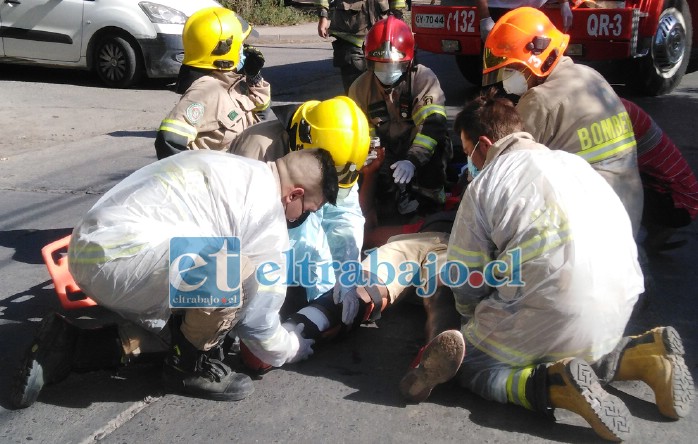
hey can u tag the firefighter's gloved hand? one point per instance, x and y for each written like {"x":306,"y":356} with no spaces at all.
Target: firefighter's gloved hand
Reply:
{"x":349,"y":300}
{"x":254,"y":61}
{"x":566,"y":12}
{"x":404,"y":171}
{"x":486,"y":26}
{"x":372,"y":155}
{"x":301,"y":348}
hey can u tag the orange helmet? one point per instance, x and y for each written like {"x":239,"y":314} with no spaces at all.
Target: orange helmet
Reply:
{"x":522,"y":37}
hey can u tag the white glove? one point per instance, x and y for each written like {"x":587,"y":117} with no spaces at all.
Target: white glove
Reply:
{"x":303,"y":347}
{"x":404,"y":171}
{"x":349,"y":300}
{"x":372,"y":155}
{"x":566,"y":11}
{"x":486,"y":26}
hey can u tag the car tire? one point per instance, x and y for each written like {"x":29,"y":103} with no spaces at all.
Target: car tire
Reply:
{"x":662,"y":69}
{"x":470,"y":67}
{"x":117,"y":62}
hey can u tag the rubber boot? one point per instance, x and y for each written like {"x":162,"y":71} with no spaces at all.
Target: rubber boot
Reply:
{"x":202,"y":374}
{"x":440,"y":361}
{"x":656,"y":358}
{"x":48,"y":360}
{"x":573,"y":385}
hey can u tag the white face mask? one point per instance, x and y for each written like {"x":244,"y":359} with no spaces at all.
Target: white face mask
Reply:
{"x":388,"y":78}
{"x":514,"y":82}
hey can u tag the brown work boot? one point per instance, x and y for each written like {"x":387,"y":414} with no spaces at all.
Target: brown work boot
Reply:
{"x":440,"y":360}
{"x":573,"y":386}
{"x":656,"y":358}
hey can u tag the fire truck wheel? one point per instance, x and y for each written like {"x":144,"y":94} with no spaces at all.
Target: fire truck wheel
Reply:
{"x":670,"y":50}
{"x":470,"y":67}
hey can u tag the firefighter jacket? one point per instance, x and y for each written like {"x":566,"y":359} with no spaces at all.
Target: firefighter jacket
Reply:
{"x":350,"y":20}
{"x":554,"y":247}
{"x":333,"y":233}
{"x":118,"y":252}
{"x":577,"y":111}
{"x":211,"y":113}
{"x":410,"y":119}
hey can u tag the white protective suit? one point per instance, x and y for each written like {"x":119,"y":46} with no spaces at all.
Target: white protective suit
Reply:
{"x":118,"y":253}
{"x":578,"y":257}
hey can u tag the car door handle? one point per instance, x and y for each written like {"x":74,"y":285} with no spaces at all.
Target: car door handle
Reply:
{"x":13,"y":2}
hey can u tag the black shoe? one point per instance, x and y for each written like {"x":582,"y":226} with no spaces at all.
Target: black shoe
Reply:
{"x":204,"y":374}
{"x":47,"y":361}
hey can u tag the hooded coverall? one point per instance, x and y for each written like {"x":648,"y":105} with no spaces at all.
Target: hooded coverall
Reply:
{"x":567,"y":274}
{"x":118,"y":252}
{"x":576,"y":110}
{"x":410,"y":120}
{"x":211,"y":113}
{"x":333,"y":233}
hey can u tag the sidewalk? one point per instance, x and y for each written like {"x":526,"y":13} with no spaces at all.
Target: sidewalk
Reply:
{"x":303,"y":33}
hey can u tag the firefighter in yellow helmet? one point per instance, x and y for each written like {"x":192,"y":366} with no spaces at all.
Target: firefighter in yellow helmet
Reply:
{"x":222,"y":88}
{"x":334,"y":233}
{"x":564,"y":105}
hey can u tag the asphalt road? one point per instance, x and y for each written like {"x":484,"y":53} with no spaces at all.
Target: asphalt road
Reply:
{"x":66,"y":140}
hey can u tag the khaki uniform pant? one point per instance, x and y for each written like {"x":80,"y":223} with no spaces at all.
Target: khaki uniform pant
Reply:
{"x":202,"y":327}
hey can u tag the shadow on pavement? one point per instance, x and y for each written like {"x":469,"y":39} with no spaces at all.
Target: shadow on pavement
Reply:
{"x":28,"y":243}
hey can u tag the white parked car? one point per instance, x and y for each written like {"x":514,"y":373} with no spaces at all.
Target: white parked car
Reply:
{"x":120,"y":40}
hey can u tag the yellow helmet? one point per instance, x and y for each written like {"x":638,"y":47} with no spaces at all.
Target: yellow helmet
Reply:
{"x":213,"y":37}
{"x":337,"y":125}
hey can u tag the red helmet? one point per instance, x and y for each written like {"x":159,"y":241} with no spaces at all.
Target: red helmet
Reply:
{"x":389,"y":46}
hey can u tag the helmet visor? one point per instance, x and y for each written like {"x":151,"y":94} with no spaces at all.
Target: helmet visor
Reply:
{"x":387,"y":67}
{"x":490,"y":63}
{"x":247,"y":29}
{"x":348,"y":175}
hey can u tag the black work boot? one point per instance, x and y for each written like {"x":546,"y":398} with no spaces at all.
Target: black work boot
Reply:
{"x":48,"y":360}
{"x":202,"y":374}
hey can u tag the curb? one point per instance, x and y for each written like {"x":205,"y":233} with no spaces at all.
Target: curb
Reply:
{"x":281,"y":38}
{"x":302,"y":33}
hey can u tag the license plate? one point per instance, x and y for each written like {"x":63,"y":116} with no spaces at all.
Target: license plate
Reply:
{"x":429,"y":20}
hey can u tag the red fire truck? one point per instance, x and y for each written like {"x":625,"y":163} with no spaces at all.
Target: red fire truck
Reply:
{"x":650,"y":39}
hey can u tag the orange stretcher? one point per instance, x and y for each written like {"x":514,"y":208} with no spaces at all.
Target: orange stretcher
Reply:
{"x":69,"y":294}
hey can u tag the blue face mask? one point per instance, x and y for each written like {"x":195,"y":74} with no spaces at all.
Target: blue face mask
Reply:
{"x":472,"y":169}
{"x":241,"y":63}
